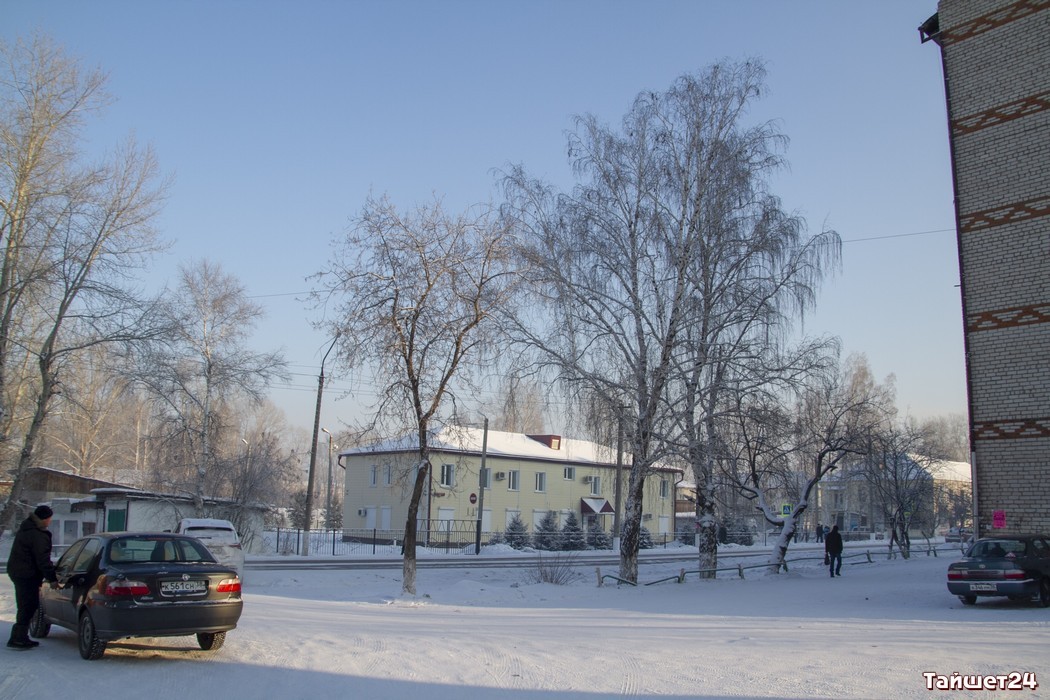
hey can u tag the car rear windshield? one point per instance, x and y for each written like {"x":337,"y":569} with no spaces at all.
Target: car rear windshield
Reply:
{"x":158,"y":549}
{"x":212,"y":533}
{"x":996,"y":549}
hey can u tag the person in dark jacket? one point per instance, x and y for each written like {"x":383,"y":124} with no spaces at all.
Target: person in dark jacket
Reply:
{"x":28,"y":566}
{"x":833,"y":548}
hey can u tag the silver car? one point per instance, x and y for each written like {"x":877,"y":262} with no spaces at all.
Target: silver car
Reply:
{"x":219,"y":536}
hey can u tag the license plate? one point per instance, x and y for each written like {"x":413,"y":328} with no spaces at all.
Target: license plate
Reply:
{"x":982,"y":586}
{"x":175,"y":587}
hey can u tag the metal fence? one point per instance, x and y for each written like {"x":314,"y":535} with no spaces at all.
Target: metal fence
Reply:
{"x":439,"y":536}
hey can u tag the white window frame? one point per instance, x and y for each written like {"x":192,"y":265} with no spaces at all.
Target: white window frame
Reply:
{"x":541,"y":482}
{"x":665,"y":489}
{"x":448,"y":476}
{"x":569,"y":474}
{"x":514,"y":480}
{"x":486,"y":478}
{"x":596,"y":485}
{"x":373,"y":477}
{"x":389,"y":474}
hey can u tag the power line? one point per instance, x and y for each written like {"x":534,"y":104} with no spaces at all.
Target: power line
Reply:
{"x":279,"y":294}
{"x":897,"y":235}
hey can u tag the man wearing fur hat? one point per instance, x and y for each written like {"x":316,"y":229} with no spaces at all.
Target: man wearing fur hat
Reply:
{"x":28,"y":566}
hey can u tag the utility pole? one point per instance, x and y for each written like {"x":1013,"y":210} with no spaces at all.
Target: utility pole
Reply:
{"x":619,"y":478}
{"x":313,"y":452}
{"x":481,"y":485}
{"x":328,"y":497}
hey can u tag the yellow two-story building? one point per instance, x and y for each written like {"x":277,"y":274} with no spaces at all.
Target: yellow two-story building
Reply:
{"x":525,"y":476}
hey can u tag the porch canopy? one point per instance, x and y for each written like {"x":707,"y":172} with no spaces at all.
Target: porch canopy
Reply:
{"x":595,"y":506}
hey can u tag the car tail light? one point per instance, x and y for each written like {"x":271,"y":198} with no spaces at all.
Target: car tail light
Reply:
{"x":229,"y":585}
{"x":1013,"y":575}
{"x":123,"y":587}
{"x":956,"y":575}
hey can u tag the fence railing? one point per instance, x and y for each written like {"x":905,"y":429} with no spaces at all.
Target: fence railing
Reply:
{"x":442,"y":537}
{"x":866,"y":556}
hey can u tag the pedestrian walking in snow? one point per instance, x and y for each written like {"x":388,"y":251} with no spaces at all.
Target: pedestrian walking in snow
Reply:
{"x":820,"y":532}
{"x":28,"y":565}
{"x":833,"y":550}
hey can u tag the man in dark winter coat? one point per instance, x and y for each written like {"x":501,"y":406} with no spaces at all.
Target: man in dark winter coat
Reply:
{"x":28,"y":566}
{"x":833,"y":548}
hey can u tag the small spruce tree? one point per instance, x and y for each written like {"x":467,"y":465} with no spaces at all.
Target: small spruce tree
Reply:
{"x":572,"y":538}
{"x":597,"y":538}
{"x":645,"y":538}
{"x":546,"y":536}
{"x":517,"y":535}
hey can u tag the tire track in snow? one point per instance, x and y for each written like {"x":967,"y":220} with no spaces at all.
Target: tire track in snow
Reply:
{"x":504,"y":668}
{"x":630,"y":685}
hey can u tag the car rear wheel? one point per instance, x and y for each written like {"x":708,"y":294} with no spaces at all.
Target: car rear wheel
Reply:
{"x":39,"y":626}
{"x":91,"y":647}
{"x":1044,"y":593}
{"x":968,"y":599}
{"x":211,"y":641}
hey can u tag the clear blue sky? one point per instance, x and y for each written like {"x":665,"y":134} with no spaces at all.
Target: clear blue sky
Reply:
{"x":278,"y":118}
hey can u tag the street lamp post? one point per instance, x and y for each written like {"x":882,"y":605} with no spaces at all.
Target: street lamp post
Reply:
{"x":328,"y":497}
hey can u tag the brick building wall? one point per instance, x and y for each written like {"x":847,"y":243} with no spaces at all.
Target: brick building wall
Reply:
{"x":996,"y":56}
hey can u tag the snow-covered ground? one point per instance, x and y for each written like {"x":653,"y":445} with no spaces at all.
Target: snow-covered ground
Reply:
{"x":491,"y":633}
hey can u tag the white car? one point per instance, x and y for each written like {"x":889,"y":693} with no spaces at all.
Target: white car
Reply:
{"x":219,"y":536}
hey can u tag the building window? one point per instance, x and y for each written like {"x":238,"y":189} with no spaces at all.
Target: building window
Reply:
{"x":569,"y":474}
{"x":513,"y":477}
{"x":596,"y":486}
{"x":541,"y":481}
{"x":448,"y":475}
{"x":373,"y":476}
{"x":389,"y":474}
{"x":486,"y":478}
{"x":665,"y":488}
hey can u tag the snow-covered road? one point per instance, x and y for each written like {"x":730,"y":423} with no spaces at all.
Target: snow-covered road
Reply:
{"x":488,"y":633}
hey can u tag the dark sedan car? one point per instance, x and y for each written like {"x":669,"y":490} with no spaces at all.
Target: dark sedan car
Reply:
{"x":1014,"y":566}
{"x":123,"y":584}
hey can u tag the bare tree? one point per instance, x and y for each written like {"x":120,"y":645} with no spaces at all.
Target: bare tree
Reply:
{"x":522,"y":406}
{"x":93,"y":429}
{"x":44,"y":102}
{"x":256,"y":464}
{"x":754,"y":271}
{"x":948,"y":437}
{"x":202,"y":364}
{"x":900,"y":470}
{"x":413,"y":297}
{"x":72,"y":235}
{"x":614,"y":274}
{"x":668,"y":263}
{"x":833,"y":418}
